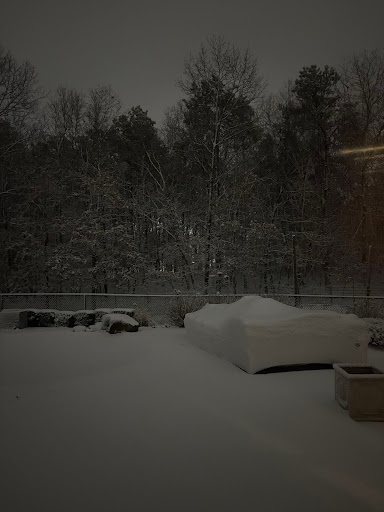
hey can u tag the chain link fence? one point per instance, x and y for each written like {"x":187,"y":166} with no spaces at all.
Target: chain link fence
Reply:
{"x":160,"y":309}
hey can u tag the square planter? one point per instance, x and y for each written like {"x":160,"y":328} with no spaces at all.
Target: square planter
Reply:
{"x":360,"y":389}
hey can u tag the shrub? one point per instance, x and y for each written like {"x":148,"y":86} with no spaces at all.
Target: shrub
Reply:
{"x":84,"y":317}
{"x":141,"y":316}
{"x":367,"y":308}
{"x":41,"y":318}
{"x":123,"y":311}
{"x":64,"y":319}
{"x":99,"y":313}
{"x":376,"y":329}
{"x":180,"y":306}
{"x":114,"y":323}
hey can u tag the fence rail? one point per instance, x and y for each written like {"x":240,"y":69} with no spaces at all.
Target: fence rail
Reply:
{"x":159,"y":308}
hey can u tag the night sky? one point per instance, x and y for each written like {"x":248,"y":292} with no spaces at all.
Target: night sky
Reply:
{"x":139,"y":47}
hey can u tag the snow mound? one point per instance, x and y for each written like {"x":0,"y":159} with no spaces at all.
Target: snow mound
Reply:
{"x":255,"y":333}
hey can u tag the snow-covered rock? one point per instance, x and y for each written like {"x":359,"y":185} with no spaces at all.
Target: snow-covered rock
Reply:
{"x":255,"y":333}
{"x":115,"y":322}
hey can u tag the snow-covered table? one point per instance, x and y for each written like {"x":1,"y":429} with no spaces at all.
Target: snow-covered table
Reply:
{"x":255,"y":333}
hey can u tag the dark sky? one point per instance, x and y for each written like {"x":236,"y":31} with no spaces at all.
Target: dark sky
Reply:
{"x":139,"y":47}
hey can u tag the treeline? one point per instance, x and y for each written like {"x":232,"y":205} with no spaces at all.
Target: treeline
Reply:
{"x":96,"y":199}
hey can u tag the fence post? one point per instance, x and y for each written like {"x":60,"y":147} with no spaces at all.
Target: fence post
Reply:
{"x":85,"y":301}
{"x":295,"y":279}
{"x":368,"y":289}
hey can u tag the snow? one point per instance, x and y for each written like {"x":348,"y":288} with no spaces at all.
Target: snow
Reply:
{"x":93,"y":423}
{"x":79,"y":328}
{"x":255,"y":333}
{"x":95,"y":327}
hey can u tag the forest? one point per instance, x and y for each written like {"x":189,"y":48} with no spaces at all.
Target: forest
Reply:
{"x":233,"y":190}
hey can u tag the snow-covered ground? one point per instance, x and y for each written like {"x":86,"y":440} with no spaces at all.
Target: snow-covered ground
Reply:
{"x":145,"y":421}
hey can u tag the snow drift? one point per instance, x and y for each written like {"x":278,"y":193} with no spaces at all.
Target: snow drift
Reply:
{"x":256,"y":333}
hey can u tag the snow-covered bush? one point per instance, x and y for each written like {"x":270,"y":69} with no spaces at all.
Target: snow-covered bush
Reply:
{"x":115,"y":322}
{"x":41,"y":318}
{"x":376,"y":328}
{"x":140,"y":315}
{"x":84,"y":317}
{"x":64,"y":319}
{"x":123,"y":311}
{"x":180,"y":306}
{"x":99,"y":313}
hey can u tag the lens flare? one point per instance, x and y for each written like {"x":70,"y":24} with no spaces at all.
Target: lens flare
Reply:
{"x":361,"y":150}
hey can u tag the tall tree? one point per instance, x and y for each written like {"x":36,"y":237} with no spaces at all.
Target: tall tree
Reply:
{"x":222,"y":85}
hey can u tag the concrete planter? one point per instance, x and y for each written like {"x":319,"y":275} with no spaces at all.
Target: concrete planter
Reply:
{"x":360,"y":389}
